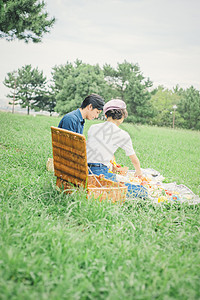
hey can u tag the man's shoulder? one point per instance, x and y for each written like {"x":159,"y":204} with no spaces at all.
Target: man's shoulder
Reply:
{"x":72,"y":114}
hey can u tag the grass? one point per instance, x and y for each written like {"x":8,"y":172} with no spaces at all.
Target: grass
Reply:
{"x":174,"y":153}
{"x":54,"y":246}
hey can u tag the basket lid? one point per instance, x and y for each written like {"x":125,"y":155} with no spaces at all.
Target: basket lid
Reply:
{"x":69,"y":156}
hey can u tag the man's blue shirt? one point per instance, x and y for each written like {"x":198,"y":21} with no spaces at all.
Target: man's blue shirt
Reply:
{"x":73,"y":121}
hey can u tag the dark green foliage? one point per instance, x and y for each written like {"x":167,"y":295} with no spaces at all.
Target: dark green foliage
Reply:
{"x":46,"y":101}
{"x":59,"y":74}
{"x":132,"y":87}
{"x":24,"y":19}
{"x":189,"y":108}
{"x":138,"y":99}
{"x":28,"y":85}
{"x":74,"y":82}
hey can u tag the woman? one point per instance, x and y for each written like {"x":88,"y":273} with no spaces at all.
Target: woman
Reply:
{"x":105,"y":138}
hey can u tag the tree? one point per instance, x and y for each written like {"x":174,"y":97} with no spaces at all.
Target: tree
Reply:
{"x":189,"y":108}
{"x":24,"y":19}
{"x":61,"y":73}
{"x":74,"y":82}
{"x":132,"y":87}
{"x":30,"y":86}
{"x":138,"y":98}
{"x":163,"y":101}
{"x":116,"y":79}
{"x":12,"y":82}
{"x":45,"y":101}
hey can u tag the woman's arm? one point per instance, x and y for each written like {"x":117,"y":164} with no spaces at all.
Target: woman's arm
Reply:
{"x":135,"y":161}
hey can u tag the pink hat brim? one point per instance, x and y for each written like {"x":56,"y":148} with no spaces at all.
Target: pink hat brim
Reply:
{"x":114,"y":104}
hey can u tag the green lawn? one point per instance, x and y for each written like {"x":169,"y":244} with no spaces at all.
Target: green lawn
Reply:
{"x":54,"y":246}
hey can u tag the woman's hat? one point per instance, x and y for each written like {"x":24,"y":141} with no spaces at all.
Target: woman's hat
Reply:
{"x":114,"y":104}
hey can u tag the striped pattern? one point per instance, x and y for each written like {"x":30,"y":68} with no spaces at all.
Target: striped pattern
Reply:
{"x":70,"y":167}
{"x":69,"y":155}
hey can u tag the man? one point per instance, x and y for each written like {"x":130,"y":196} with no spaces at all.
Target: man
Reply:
{"x":90,"y":109}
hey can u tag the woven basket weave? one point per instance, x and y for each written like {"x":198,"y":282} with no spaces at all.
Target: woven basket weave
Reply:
{"x":70,"y":167}
{"x":115,"y":191}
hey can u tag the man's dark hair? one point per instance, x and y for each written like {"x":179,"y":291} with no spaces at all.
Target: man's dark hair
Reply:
{"x":94,"y":99}
{"x":117,"y":114}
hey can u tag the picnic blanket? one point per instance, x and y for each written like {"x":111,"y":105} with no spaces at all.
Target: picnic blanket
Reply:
{"x":158,"y":191}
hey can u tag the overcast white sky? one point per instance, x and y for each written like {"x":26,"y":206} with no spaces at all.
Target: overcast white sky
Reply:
{"x":162,"y":36}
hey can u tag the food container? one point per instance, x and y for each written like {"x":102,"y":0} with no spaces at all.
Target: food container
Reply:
{"x":71,"y":169}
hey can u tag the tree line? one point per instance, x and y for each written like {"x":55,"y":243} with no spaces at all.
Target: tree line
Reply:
{"x":28,"y":20}
{"x":72,"y":82}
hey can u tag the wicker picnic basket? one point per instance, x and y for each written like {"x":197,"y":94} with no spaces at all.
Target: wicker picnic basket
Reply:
{"x":71,"y":170}
{"x":104,"y":188}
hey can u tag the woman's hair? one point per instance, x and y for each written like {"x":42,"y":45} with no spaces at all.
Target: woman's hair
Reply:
{"x":117,"y":114}
{"x":94,"y":99}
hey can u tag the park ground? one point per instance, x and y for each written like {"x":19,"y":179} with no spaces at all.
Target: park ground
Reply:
{"x":57,"y":246}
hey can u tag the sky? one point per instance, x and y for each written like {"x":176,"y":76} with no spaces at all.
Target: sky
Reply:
{"x":161,"y":36}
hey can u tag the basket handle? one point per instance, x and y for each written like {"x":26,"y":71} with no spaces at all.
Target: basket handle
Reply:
{"x":95,"y":177}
